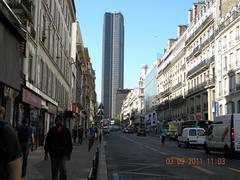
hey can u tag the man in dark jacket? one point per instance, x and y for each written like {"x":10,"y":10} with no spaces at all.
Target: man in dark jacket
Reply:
{"x":59,"y":145}
{"x":10,"y":153}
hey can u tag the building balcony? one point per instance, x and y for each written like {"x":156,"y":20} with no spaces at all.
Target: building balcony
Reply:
{"x":177,"y":86}
{"x":177,"y":101}
{"x":205,"y":23}
{"x":165,"y":93}
{"x":237,"y":87}
{"x":230,"y":19}
{"x":198,"y":49}
{"x":197,"y":88}
{"x":201,"y":86}
{"x":33,"y":32}
{"x":162,"y":106}
{"x":202,"y":66}
{"x":22,"y":9}
{"x":183,"y":67}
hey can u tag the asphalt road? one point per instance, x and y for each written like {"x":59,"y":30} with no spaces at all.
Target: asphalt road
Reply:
{"x":130,"y":157}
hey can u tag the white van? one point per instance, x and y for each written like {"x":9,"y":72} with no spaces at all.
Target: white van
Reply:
{"x":192,"y":136}
{"x":224,"y":135}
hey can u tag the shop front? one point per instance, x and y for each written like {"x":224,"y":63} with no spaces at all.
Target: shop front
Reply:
{"x":30,"y":108}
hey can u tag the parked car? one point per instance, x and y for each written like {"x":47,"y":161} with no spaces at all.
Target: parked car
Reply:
{"x":114,"y":128}
{"x":129,"y":130}
{"x":192,"y":137}
{"x":106,"y":130}
{"x":141,"y":131}
{"x":223,"y":135}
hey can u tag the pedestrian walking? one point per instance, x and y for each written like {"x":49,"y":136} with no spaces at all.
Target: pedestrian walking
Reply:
{"x":96,"y":132}
{"x":86,"y":132}
{"x":26,"y":140}
{"x":10,"y":152}
{"x":59,"y":145}
{"x":80,"y":134}
{"x":74,"y":134}
{"x":163,"y":133}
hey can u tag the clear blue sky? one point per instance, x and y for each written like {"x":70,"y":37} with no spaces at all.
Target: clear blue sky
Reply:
{"x":148,"y":26}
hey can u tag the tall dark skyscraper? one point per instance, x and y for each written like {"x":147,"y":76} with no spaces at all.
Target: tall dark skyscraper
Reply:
{"x":112,"y":62}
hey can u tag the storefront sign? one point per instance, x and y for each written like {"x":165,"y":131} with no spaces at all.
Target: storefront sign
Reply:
{"x":74,"y":108}
{"x":52,"y":108}
{"x":30,"y":98}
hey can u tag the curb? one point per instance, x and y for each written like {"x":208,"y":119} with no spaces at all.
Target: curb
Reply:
{"x":102,"y":171}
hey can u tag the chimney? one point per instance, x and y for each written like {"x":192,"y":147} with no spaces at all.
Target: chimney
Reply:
{"x":181,"y":30}
{"x":190,"y":16}
{"x":164,"y":50}
{"x":171,"y":42}
{"x":145,"y":69}
{"x":195,"y":12}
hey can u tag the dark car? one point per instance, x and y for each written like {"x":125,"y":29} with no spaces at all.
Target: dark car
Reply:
{"x":129,"y":130}
{"x":141,"y":131}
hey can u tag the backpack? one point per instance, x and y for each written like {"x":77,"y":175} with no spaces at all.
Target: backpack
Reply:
{"x":23,"y":134}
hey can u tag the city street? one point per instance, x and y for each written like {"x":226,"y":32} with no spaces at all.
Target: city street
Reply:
{"x":130,"y":157}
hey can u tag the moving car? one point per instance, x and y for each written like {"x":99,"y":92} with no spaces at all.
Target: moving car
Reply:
{"x":192,"y":137}
{"x":224,"y":135}
{"x":141,"y":131}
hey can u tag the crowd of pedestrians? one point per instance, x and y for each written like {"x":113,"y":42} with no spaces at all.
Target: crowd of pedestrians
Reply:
{"x":15,"y":145}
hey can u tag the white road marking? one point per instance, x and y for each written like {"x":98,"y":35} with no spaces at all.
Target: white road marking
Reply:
{"x":148,"y":147}
{"x":152,"y":174}
{"x":233,"y":169}
{"x":203,"y":169}
{"x":163,"y":153}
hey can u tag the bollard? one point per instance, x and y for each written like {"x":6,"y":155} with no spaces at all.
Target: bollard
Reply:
{"x":90,"y":175}
{"x":94,"y":169}
{"x":100,"y":138}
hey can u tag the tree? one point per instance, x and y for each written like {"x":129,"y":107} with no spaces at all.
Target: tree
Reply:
{"x":117,"y":118}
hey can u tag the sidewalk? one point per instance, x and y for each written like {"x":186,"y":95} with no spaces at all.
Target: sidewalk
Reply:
{"x":77,"y":168}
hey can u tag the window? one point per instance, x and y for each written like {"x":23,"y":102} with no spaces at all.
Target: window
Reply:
{"x":192,"y":132}
{"x":50,"y":83}
{"x":219,"y":46}
{"x":41,"y":76}
{"x":53,"y":87}
{"x":231,"y":108}
{"x":231,"y":62}
{"x":224,"y":42}
{"x":225,"y":86}
{"x":230,"y":39}
{"x":220,"y":110}
{"x":238,"y":106}
{"x":237,"y":33}
{"x":47,"y":80}
{"x":201,"y":132}
{"x":238,"y":57}
{"x":225,"y":64}
{"x":231,"y":83}
{"x":30,"y":66}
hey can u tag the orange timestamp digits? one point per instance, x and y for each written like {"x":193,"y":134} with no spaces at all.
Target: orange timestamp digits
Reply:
{"x":194,"y":161}
{"x":220,"y":161}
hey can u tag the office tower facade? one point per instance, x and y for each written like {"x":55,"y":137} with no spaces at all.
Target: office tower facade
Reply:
{"x":113,"y":62}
